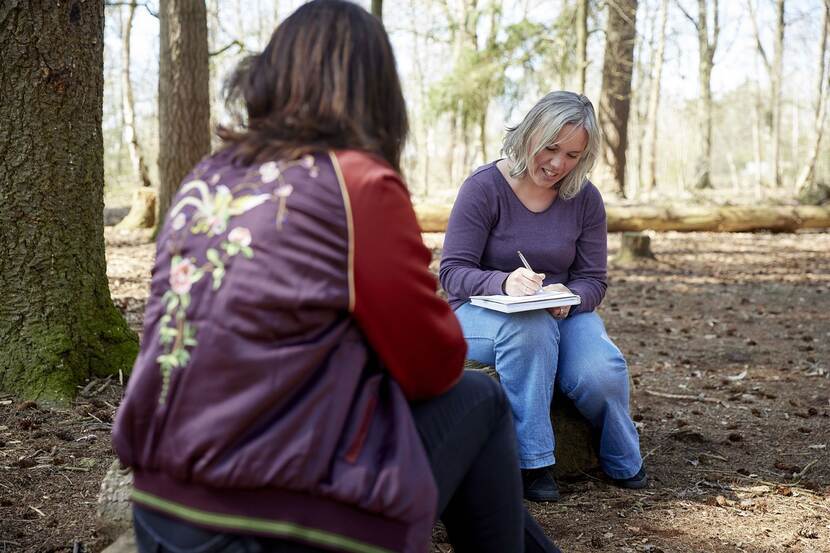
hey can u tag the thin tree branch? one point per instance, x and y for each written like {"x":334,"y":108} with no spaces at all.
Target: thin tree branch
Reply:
{"x":758,"y":43}
{"x":235,"y":42}
{"x":144,"y":5}
{"x":691,"y":19}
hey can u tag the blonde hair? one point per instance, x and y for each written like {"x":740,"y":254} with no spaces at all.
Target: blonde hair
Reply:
{"x":546,"y":120}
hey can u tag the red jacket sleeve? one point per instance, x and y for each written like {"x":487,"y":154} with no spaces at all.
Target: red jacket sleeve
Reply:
{"x":415,"y":333}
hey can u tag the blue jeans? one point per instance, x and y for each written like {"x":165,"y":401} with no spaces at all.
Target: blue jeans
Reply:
{"x":532,"y":352}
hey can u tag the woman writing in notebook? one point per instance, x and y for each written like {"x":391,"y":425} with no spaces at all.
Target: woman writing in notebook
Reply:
{"x":537,"y":200}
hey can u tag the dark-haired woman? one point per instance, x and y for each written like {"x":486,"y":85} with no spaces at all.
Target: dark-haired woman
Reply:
{"x":299,"y":386}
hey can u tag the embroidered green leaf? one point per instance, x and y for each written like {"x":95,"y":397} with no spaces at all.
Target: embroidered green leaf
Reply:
{"x":213,"y":256}
{"x":218,"y":273}
{"x":168,"y":334}
{"x":231,"y":248}
{"x":171,"y":302}
{"x":247,"y":252}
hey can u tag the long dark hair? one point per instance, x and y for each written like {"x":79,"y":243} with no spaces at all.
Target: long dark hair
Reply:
{"x":326,"y":80}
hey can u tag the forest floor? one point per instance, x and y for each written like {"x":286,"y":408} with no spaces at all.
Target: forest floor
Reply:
{"x":728,"y":341}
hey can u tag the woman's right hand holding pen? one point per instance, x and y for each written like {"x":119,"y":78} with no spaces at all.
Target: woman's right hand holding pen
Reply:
{"x":523,"y":282}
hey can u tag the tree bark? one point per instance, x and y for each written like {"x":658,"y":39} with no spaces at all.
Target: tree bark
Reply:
{"x":582,"y":42}
{"x":58,"y":325}
{"x":807,"y":178}
{"x":128,"y":103}
{"x":184,"y":94}
{"x":615,"y":99}
{"x":650,"y":180}
{"x":377,"y":9}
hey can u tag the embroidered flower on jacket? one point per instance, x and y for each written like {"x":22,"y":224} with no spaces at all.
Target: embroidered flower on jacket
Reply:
{"x":240,"y":236}
{"x":269,"y":171}
{"x":182,"y":272}
{"x":210,"y":210}
{"x":284,"y":191}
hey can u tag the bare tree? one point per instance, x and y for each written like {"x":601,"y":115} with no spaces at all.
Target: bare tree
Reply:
{"x":58,"y":325}
{"x":128,"y":102}
{"x":650,"y":153}
{"x":776,"y":77}
{"x":582,"y":41}
{"x":807,"y":178}
{"x":615,"y":98}
{"x":184,"y":93}
{"x":774,"y":70}
{"x":707,"y":44}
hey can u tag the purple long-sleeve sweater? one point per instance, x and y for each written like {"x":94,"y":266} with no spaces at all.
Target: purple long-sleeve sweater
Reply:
{"x":488,"y":224}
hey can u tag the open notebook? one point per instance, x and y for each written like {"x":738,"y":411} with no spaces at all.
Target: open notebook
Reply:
{"x":514,"y":304}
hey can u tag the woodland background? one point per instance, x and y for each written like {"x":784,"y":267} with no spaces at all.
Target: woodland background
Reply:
{"x":702,"y":99}
{"x":703,"y":103}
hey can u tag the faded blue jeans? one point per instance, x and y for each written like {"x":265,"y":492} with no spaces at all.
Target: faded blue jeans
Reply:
{"x":532,"y":352}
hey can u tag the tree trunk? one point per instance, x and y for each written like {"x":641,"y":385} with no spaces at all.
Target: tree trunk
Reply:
{"x":807,"y":178}
{"x":615,"y":99}
{"x":482,"y":134}
{"x":706,"y":53}
{"x":650,"y":180}
{"x":377,"y":9}
{"x":58,"y":325}
{"x":128,"y":104}
{"x":184,"y":94}
{"x":775,"y":78}
{"x":582,"y":42}
{"x":635,"y":247}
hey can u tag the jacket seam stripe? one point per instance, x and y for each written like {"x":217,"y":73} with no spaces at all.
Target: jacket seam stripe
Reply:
{"x":349,"y":224}
{"x":273,"y":527}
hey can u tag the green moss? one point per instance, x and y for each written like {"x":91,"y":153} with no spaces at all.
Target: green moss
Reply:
{"x":51,"y":363}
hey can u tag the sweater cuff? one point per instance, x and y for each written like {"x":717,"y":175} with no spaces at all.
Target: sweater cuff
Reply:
{"x":497,"y":282}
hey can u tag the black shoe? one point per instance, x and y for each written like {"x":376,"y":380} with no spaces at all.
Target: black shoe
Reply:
{"x":539,"y":485}
{"x":636,"y":482}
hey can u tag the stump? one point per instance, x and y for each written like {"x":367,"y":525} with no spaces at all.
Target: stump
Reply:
{"x":114,"y":509}
{"x":142,"y":212}
{"x":635,"y":247}
{"x":575,"y":450}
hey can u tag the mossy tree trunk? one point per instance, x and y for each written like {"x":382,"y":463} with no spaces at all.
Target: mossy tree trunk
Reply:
{"x":184,"y":94}
{"x":58,"y":325}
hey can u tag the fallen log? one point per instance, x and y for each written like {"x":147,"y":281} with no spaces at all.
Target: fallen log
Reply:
{"x":433,"y":218}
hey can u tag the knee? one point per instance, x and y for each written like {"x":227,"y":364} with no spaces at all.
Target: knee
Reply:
{"x":486,"y":391}
{"x":601,"y":379}
{"x":534,"y":329}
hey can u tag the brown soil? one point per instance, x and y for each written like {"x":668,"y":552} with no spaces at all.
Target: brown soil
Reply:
{"x":728,"y":339}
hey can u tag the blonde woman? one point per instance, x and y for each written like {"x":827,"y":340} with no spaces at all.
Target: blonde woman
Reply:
{"x":537,"y":200}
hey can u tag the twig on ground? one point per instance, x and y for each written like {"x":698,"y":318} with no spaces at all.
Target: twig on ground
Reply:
{"x":713,"y":456}
{"x":104,"y":386}
{"x":799,"y":475}
{"x":646,"y":456}
{"x":666,"y":395}
{"x":740,"y":476}
{"x":76,"y":469}
{"x":38,"y":511}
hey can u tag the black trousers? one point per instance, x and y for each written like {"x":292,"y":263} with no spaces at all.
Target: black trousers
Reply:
{"x":469,"y":438}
